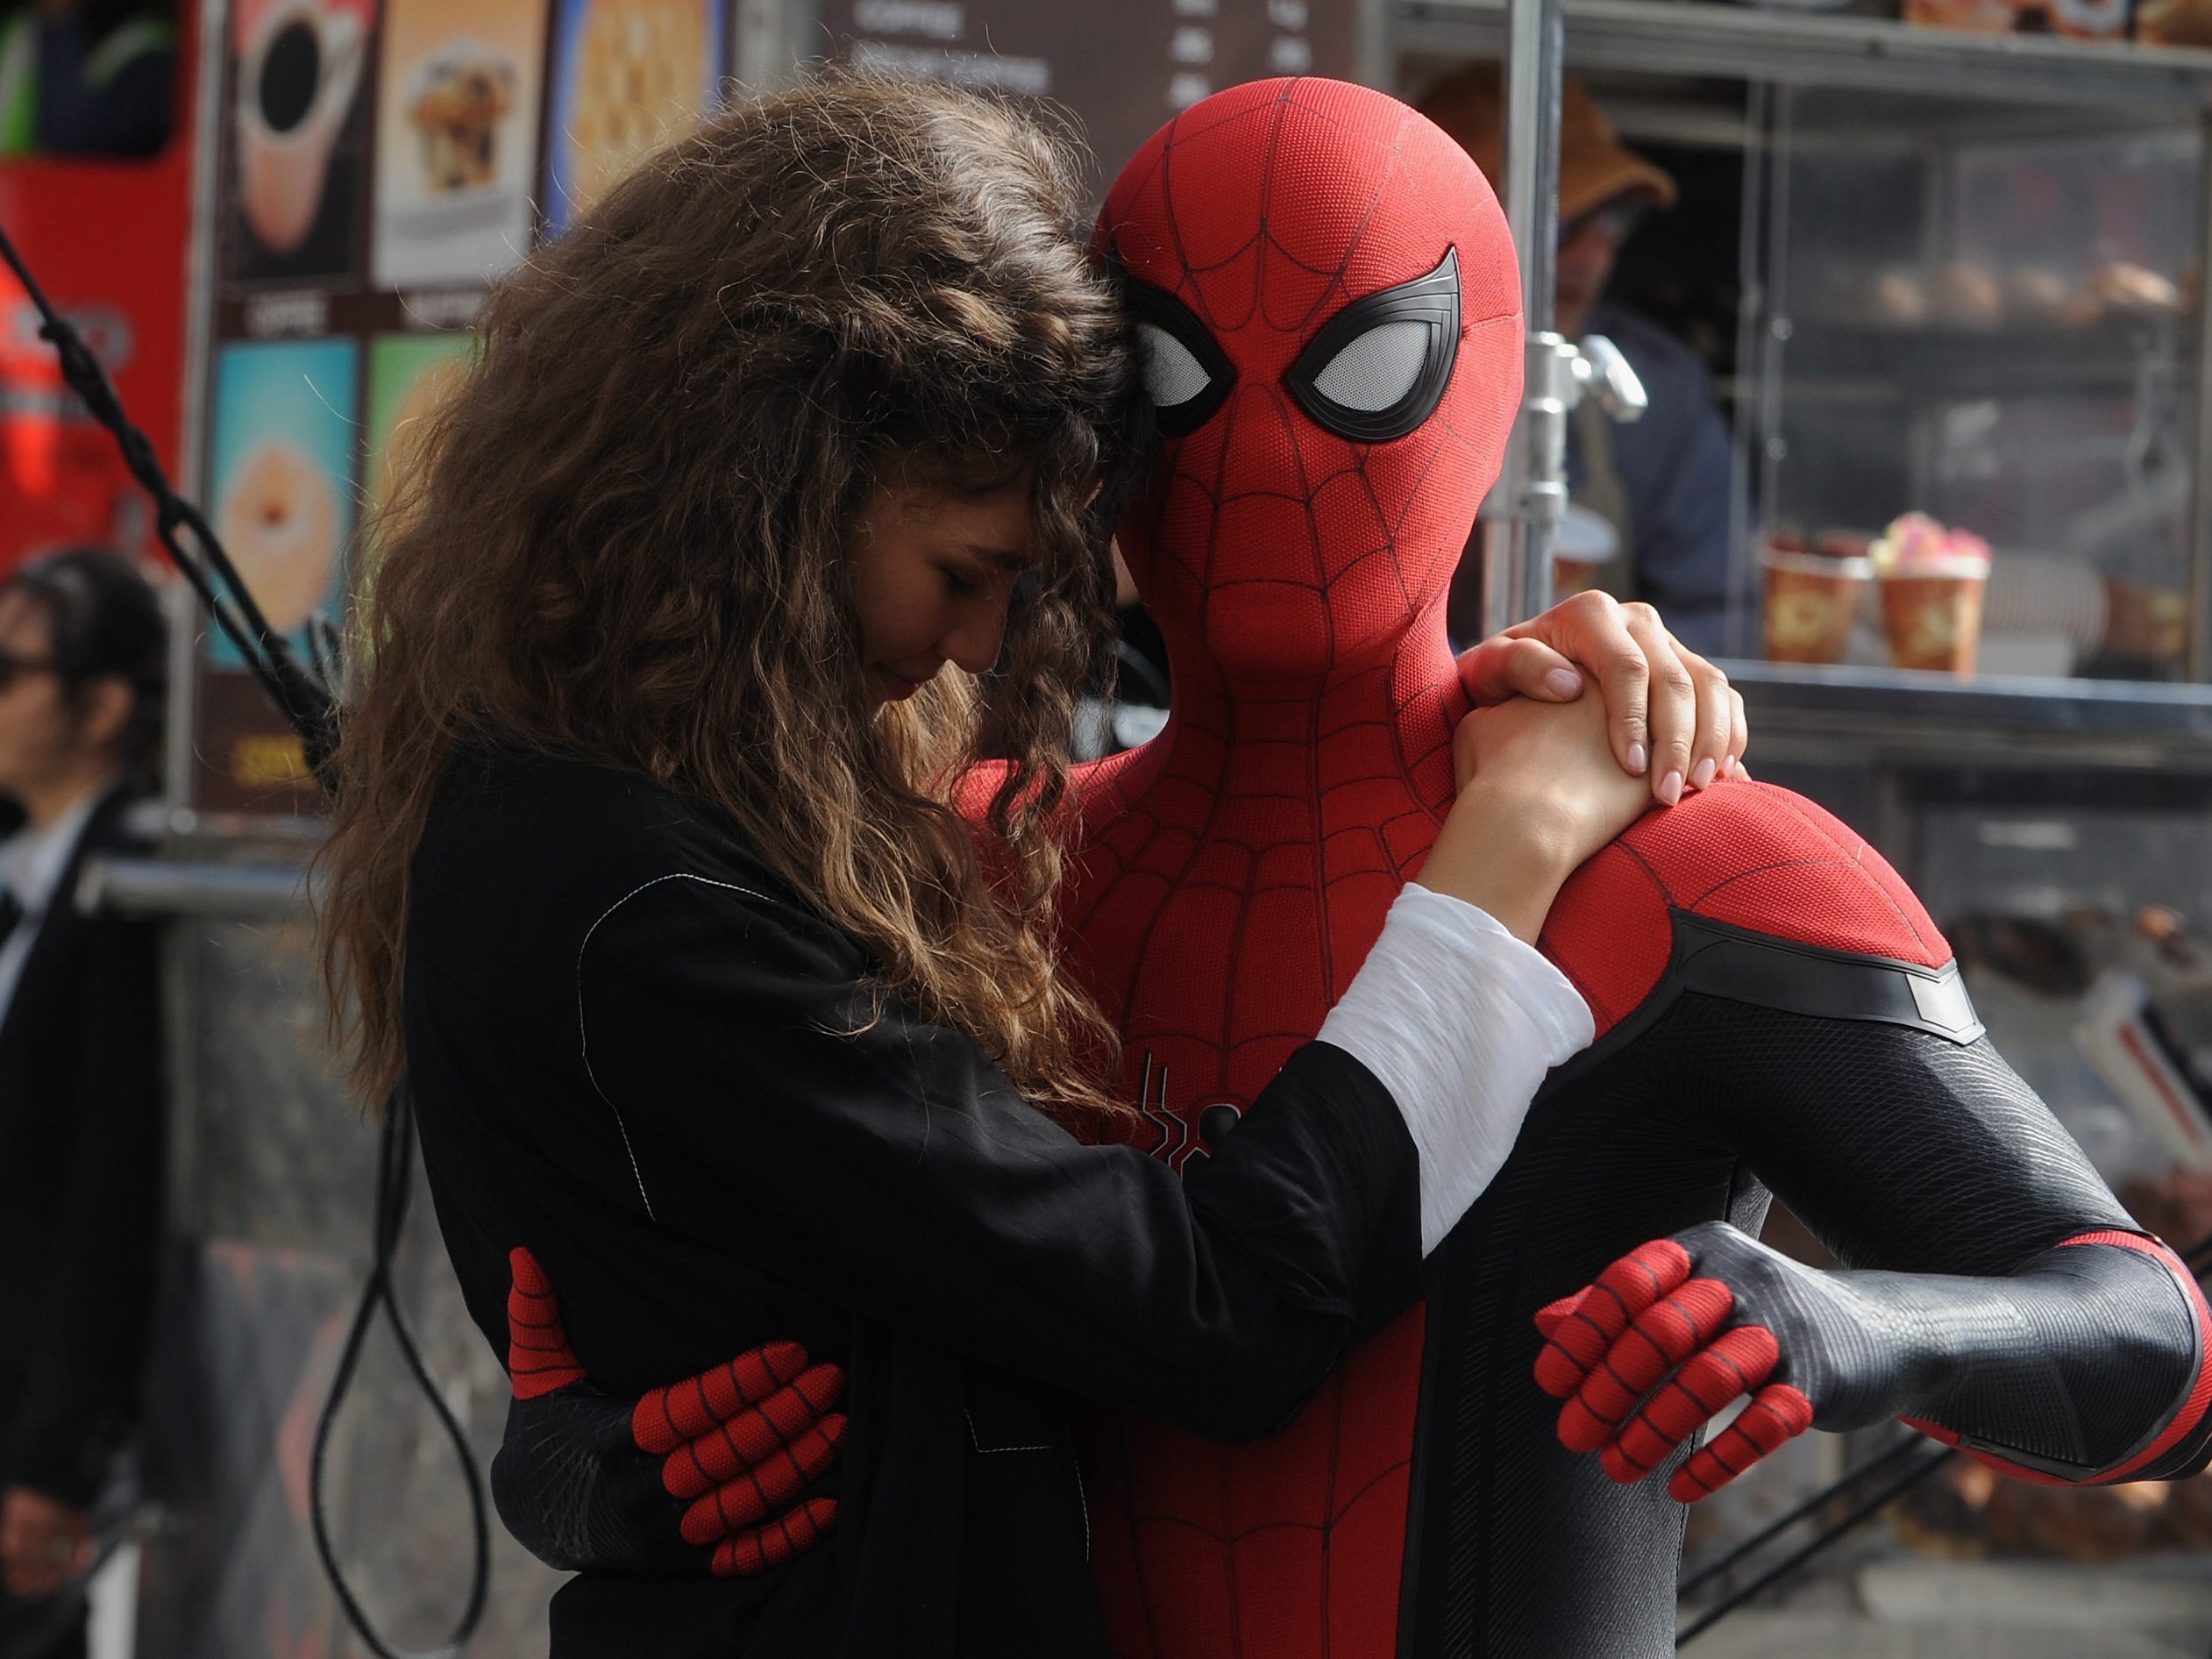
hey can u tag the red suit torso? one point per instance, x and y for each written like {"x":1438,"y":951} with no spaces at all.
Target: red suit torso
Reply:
{"x":1240,"y":864}
{"x":1319,"y":479}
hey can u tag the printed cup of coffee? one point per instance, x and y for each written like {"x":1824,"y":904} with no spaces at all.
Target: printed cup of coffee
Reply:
{"x":296,"y":80}
{"x":1812,"y":595}
{"x":1932,"y":582}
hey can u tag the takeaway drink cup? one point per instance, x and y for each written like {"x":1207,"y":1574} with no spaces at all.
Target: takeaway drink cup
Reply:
{"x":1933,"y":617}
{"x":1931,"y":585}
{"x":1812,"y":598}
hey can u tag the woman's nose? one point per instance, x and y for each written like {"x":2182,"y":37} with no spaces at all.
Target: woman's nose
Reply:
{"x":972,"y":643}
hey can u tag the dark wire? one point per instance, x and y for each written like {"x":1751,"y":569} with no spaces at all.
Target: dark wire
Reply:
{"x":303,"y":700}
{"x":2197,"y":1258}
{"x":393,"y":1184}
{"x":303,"y":696}
{"x":1933,"y":1459}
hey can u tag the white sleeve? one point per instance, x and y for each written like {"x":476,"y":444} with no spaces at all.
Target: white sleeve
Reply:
{"x":1459,"y":1020}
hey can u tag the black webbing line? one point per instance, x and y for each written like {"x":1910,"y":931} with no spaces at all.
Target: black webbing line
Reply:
{"x":305,"y":698}
{"x":2197,"y":1257}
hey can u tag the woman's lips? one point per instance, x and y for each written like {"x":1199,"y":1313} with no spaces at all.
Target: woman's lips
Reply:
{"x":897,"y":687}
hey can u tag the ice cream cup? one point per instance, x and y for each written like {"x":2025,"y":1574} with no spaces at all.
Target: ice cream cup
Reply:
{"x":1933,"y":614}
{"x":1811,"y":601}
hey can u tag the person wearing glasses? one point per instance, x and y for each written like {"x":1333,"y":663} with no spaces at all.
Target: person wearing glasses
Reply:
{"x":1651,"y":499}
{"x":82,"y":680}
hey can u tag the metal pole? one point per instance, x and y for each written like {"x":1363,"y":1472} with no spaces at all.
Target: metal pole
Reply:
{"x":2200,"y":529}
{"x":1521,"y":527}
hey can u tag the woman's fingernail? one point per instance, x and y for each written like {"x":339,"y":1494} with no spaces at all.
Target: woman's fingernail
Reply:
{"x":1564,"y":682}
{"x":1702,"y":773}
{"x":1670,"y":787}
{"x":1636,"y":758}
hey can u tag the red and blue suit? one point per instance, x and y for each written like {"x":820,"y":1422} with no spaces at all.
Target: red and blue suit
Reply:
{"x":1330,"y":304}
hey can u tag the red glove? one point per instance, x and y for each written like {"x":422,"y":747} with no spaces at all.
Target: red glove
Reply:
{"x":706,"y":1471}
{"x":1609,"y":1346}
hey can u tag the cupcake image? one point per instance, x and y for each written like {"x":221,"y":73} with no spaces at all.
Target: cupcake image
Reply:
{"x":280,"y":521}
{"x":456,"y":103}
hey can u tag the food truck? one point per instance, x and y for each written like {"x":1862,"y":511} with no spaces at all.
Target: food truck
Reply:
{"x":1945,"y":271}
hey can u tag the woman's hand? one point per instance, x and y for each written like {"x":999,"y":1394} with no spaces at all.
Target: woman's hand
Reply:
{"x":1539,"y":793}
{"x":1675,"y":719}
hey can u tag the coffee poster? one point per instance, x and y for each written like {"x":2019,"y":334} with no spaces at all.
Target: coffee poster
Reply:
{"x":629,"y":75}
{"x":296,"y":124}
{"x":281,"y":475}
{"x":408,"y":375}
{"x":457,"y":103}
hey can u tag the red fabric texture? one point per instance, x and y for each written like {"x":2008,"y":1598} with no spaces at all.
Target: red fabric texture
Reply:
{"x":538,"y":1359}
{"x":1607,"y":1347}
{"x":1239,"y":867}
{"x":776,"y":1543}
{"x":1747,"y":855}
{"x":668,"y":1417}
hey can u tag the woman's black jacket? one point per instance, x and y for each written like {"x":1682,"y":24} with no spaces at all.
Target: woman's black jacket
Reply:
{"x":637,"y":1052}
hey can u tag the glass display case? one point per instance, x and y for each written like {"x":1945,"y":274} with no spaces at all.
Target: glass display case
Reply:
{"x":1935,"y":273}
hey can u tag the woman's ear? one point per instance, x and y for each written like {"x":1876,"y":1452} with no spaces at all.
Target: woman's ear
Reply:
{"x":104,"y":707}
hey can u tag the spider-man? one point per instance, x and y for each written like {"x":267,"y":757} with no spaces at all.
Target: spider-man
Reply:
{"x":1329,"y":298}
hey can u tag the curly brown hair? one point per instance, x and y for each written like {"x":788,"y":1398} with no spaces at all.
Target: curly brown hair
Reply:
{"x":625,"y":541}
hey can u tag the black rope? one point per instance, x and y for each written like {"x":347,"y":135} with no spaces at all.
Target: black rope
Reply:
{"x":2197,"y":1258}
{"x":304,"y":696}
{"x":1910,"y":1443}
{"x":1913,"y":1475}
{"x":305,"y":699}
{"x":393,"y":1184}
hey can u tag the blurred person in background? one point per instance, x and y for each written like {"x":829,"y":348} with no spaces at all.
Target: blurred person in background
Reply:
{"x":82,"y":658}
{"x":86,"y":78}
{"x":1652,"y":500}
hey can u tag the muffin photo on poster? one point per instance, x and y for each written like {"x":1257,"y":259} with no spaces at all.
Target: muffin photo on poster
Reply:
{"x":408,"y":375}
{"x":282,"y":480}
{"x":295,"y":139}
{"x":457,"y":108}
{"x":629,"y":75}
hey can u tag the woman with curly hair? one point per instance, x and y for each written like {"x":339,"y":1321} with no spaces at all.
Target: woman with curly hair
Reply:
{"x":779,"y":494}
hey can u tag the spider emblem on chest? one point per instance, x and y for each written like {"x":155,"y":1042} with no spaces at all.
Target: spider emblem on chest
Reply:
{"x":1185,"y":1142}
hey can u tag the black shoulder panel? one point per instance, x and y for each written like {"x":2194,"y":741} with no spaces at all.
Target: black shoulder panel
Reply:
{"x":1796,"y":978}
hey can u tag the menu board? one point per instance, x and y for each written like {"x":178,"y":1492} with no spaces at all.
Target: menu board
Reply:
{"x":384,"y":161}
{"x":1120,"y":70}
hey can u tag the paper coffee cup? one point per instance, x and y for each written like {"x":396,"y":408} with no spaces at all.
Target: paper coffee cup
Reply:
{"x":1933,"y":617}
{"x":1811,"y":601}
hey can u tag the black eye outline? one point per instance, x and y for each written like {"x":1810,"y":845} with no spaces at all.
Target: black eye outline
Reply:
{"x":1433,"y":300}
{"x":1169,"y":315}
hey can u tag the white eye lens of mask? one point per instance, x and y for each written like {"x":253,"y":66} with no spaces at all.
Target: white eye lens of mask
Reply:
{"x":1172,"y":373}
{"x":1377,"y":369}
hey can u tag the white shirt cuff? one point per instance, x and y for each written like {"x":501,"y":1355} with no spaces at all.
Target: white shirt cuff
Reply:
{"x":1461,"y":1022}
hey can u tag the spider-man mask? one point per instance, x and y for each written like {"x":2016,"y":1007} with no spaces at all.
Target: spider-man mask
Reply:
{"x":1331,"y":313}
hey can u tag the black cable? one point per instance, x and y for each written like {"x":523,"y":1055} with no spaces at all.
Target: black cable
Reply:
{"x":1911,"y":1442}
{"x":1912,"y":1477}
{"x":305,"y":701}
{"x":304,"y":697}
{"x":393,"y":1184}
